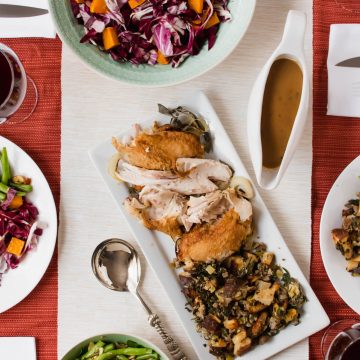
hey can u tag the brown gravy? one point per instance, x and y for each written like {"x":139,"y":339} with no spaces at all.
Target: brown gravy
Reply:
{"x":280,"y":105}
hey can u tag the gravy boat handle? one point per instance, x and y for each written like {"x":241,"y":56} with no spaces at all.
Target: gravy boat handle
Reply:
{"x":294,"y":32}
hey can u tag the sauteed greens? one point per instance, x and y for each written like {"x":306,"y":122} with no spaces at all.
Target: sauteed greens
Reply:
{"x":105,"y":350}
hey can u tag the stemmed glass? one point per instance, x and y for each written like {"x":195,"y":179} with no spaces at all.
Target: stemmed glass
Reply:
{"x":18,"y":92}
{"x":341,"y":340}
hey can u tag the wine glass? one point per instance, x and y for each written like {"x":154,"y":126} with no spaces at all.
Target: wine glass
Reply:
{"x":341,"y":340}
{"x":18,"y":92}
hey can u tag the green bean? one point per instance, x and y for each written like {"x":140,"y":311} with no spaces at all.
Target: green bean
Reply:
{"x":4,"y":188}
{"x":22,"y":187}
{"x":93,"y":350}
{"x":109,"y":347}
{"x":6,"y":172}
{"x":124,"y":351}
{"x":132,"y":344}
{"x":121,"y":357}
{"x":147,"y":356}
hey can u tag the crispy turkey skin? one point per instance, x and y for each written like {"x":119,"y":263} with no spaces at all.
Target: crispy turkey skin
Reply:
{"x":159,"y":150}
{"x":214,"y":241}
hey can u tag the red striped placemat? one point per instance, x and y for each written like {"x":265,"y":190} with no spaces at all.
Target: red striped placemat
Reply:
{"x":40,"y":136}
{"x":336,"y":142}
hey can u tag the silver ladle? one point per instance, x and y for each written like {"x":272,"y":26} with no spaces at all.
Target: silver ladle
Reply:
{"x":116,"y":265}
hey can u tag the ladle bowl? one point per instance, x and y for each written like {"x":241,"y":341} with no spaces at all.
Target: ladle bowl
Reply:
{"x":116,"y":265}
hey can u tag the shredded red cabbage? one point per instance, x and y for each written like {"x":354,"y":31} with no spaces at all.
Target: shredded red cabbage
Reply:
{"x":166,"y":26}
{"x":22,"y":224}
{"x":9,"y":198}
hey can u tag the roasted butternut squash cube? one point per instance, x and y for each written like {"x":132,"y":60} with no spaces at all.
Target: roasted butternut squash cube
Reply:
{"x":135,"y":3}
{"x":110,"y":38}
{"x":196,"y":5}
{"x":16,"y":202}
{"x":16,"y":246}
{"x":161,"y":59}
{"x":98,"y":7}
{"x":214,"y":20}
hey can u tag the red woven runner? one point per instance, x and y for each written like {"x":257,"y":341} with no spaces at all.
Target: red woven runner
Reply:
{"x":336,"y":142}
{"x":40,"y":137}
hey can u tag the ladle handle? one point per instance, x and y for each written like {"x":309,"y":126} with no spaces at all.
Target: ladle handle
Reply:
{"x":170,"y":343}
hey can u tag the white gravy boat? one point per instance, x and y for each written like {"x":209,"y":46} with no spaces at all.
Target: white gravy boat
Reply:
{"x":290,"y":47}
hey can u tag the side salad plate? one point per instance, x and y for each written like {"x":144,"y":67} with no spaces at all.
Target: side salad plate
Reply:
{"x":159,"y":249}
{"x":28,"y":225}
{"x":345,"y":188}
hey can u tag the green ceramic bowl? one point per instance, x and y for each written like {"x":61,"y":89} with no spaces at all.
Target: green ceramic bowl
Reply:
{"x":76,"y":350}
{"x":229,"y":36}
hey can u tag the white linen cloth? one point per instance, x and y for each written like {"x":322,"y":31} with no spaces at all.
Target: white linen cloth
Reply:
{"x":343,"y":82}
{"x":34,"y":26}
{"x":17,"y":348}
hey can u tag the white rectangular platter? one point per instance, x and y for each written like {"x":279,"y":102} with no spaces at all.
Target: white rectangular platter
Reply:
{"x":159,"y":249}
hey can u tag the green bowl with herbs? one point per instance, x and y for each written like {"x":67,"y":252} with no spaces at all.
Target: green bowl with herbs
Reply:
{"x":115,"y":347}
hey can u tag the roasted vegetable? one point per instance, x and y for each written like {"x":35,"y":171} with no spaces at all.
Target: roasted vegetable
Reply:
{"x":214,"y":20}
{"x":135,"y":3}
{"x":15,"y":246}
{"x":110,"y":38}
{"x":347,"y":238}
{"x":196,"y":5}
{"x":242,"y":300}
{"x":98,"y":7}
{"x":161,"y":59}
{"x":16,"y":202}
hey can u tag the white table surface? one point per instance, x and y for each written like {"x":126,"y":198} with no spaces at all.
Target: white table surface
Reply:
{"x":95,"y":108}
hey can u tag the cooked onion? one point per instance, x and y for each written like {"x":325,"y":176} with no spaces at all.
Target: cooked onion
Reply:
{"x":242,"y":186}
{"x":112,"y":166}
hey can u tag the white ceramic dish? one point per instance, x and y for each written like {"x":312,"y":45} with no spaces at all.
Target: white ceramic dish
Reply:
{"x":18,"y":283}
{"x":159,"y":248}
{"x":291,"y":47}
{"x":345,"y":188}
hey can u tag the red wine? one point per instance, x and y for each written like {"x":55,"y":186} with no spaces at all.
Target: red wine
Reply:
{"x":352,"y":352}
{"x":6,"y":79}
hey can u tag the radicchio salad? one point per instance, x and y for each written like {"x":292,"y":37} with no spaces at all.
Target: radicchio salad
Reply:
{"x":151,"y":31}
{"x":19,"y":228}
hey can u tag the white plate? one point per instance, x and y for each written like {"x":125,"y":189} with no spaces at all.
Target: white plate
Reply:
{"x":345,"y":188}
{"x":18,"y":283}
{"x":159,"y":248}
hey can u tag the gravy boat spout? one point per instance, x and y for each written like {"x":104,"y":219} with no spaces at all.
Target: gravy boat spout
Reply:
{"x":291,"y":47}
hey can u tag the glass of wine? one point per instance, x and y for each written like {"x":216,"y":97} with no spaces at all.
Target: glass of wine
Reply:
{"x":341,"y":340}
{"x":18,"y":92}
